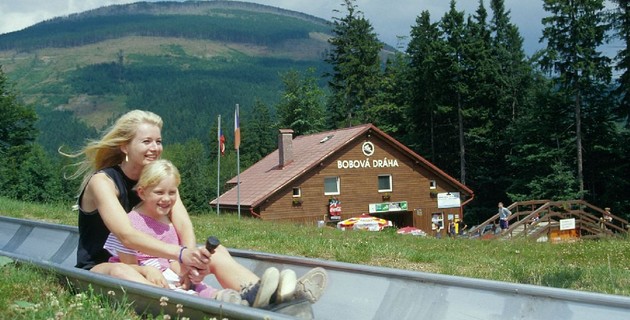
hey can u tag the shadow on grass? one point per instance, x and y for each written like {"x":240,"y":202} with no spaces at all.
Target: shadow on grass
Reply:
{"x":562,"y":278}
{"x":556,"y":279}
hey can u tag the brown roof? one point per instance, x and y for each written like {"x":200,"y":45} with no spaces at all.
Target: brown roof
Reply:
{"x":266,"y":177}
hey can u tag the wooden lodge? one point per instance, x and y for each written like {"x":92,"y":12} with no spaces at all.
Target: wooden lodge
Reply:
{"x":335,"y":175}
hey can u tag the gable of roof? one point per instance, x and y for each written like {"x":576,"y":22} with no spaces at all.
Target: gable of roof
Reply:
{"x":267,"y":177}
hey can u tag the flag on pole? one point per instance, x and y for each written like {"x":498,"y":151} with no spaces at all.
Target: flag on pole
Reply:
{"x":221,"y":141}
{"x":237,"y":130}
{"x":220,"y":137}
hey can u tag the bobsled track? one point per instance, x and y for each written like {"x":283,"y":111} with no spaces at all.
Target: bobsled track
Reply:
{"x":354,"y":291}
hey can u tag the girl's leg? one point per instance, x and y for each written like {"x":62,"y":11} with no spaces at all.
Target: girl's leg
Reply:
{"x":229,"y":272}
{"x":121,"y":271}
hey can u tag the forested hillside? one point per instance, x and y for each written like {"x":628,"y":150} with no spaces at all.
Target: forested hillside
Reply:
{"x":188,"y":62}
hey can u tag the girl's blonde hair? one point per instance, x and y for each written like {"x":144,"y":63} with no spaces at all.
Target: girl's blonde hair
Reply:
{"x":156,"y":171}
{"x":105,"y":152}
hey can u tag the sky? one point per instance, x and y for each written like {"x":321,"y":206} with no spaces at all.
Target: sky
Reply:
{"x":390,"y":19}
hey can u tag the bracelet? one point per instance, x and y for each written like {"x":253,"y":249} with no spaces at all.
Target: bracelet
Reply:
{"x":180,"y":254}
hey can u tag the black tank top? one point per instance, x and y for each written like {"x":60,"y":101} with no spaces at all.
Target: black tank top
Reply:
{"x":92,"y":229}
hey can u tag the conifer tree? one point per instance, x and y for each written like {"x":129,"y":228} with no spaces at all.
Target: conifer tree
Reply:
{"x":354,"y":58}
{"x":301,"y":105}
{"x":17,"y":134}
{"x":426,"y":52}
{"x":621,"y":23}
{"x":453,"y":27}
{"x":259,"y":137}
{"x":574,"y":31}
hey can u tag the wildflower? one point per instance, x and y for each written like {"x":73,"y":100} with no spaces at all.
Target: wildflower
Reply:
{"x":111,"y":293}
{"x":78,"y":306}
{"x":59,"y":315}
{"x":163,"y":301}
{"x":167,"y":317}
{"x":180,"y":308}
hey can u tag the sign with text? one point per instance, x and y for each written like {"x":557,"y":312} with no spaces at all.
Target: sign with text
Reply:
{"x":388,"y":206}
{"x":448,"y":200}
{"x":567,"y":224}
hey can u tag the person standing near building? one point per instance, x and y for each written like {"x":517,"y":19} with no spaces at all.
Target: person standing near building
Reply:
{"x":606,"y":218}
{"x":461,"y":226}
{"x":504,"y":213}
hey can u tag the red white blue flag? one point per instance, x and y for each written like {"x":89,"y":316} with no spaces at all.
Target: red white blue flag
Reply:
{"x":221,"y":141}
{"x":237,"y":130}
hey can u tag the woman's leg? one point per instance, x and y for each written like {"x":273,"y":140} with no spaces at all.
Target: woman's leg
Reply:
{"x":121,"y":271}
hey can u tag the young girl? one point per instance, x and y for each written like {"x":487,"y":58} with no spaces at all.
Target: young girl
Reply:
{"x":157,"y":189}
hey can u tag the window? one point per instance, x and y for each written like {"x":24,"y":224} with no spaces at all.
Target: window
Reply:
{"x":432,"y":184}
{"x":331,"y":185}
{"x":385,"y":183}
{"x":297,"y":192}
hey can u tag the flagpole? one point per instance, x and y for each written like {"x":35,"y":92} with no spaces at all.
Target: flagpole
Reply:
{"x":218,"y":164}
{"x":237,"y":144}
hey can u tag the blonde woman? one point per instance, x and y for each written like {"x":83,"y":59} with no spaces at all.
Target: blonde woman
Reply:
{"x":110,"y":168}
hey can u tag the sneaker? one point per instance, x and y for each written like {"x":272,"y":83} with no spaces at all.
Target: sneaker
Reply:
{"x":286,"y":286}
{"x":229,"y":296}
{"x":266,"y":287}
{"x":311,"y":285}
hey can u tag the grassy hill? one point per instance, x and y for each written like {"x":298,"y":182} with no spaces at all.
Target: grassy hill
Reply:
{"x":187,"y":61}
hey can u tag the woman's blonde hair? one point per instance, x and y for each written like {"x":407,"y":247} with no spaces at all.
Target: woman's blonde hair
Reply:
{"x":105,"y":152}
{"x":156,"y":171}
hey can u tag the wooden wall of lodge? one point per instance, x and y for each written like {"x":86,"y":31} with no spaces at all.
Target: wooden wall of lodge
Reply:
{"x":359,"y":187}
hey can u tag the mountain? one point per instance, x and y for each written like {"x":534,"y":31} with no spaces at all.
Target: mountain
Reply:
{"x":187,"y":61}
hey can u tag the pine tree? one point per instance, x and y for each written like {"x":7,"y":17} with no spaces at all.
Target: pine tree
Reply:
{"x":386,"y":108}
{"x":301,"y":107}
{"x":508,"y":83}
{"x":355,"y":62}
{"x":426,"y":51}
{"x":259,"y":137}
{"x":574,"y":31}
{"x":453,"y":27}
{"x":17,"y":122}
{"x":621,"y":23}
{"x":17,"y":133}
{"x":479,"y":71}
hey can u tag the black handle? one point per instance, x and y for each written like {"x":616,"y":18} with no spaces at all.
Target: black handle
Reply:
{"x":212,"y":243}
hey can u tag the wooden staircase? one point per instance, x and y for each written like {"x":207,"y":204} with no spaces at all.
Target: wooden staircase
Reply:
{"x":540,"y":220}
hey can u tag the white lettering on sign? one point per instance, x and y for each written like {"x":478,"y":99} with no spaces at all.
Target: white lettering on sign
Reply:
{"x":375,"y":163}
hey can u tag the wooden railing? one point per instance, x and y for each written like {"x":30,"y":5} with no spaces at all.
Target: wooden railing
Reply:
{"x":537,"y":218}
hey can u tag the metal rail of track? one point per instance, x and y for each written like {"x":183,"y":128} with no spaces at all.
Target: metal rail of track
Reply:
{"x":354,"y":291}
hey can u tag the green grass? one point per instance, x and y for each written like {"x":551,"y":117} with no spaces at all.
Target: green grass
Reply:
{"x":28,"y":292}
{"x":591,"y":265}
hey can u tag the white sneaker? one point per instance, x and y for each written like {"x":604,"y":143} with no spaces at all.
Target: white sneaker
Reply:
{"x":286,"y":286}
{"x":267,"y":286}
{"x":311,"y":285}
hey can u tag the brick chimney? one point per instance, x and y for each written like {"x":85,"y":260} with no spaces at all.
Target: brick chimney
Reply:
{"x":285,"y":147}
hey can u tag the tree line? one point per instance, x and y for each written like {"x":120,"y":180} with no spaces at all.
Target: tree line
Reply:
{"x":259,"y":28}
{"x":463,"y":94}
